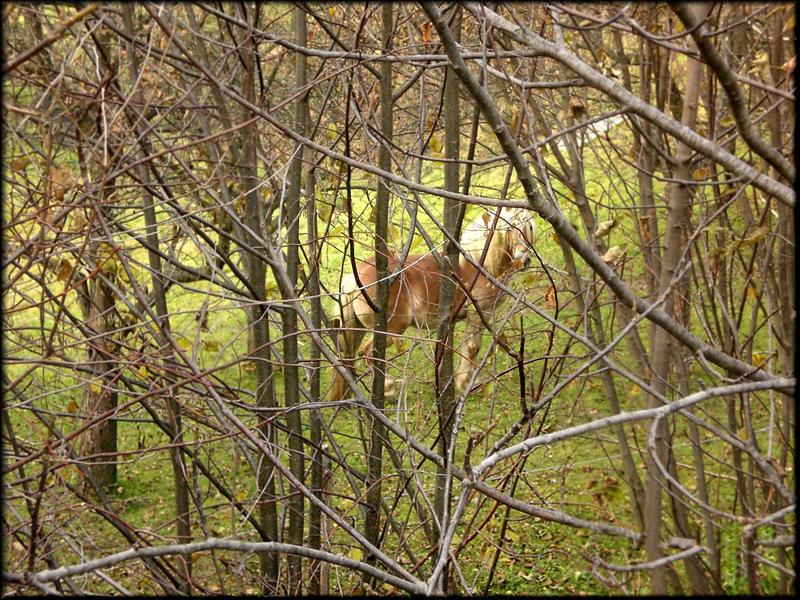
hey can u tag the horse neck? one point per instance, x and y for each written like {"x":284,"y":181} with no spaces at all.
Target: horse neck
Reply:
{"x":496,"y":268}
{"x":500,"y":263}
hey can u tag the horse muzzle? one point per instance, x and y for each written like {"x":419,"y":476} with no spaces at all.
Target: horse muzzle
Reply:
{"x":522,"y":259}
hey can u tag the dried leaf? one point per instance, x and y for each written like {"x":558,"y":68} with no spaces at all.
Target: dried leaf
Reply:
{"x":18,"y":164}
{"x":271,"y":291}
{"x":436,"y":145}
{"x":550,"y":297}
{"x":701,"y":173}
{"x":324,"y":211}
{"x":756,"y":236}
{"x":61,"y":181}
{"x":576,"y":106}
{"x":759,"y":358}
{"x":65,"y":270}
{"x":604,"y":228}
{"x":613,"y":254}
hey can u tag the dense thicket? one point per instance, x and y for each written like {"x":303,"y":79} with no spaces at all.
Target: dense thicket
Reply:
{"x":185,"y":186}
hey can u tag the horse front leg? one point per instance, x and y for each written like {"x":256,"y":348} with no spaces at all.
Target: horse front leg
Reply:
{"x":468,"y":350}
{"x":365,"y":349}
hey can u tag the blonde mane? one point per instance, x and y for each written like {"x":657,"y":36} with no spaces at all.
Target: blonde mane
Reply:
{"x":476,"y":233}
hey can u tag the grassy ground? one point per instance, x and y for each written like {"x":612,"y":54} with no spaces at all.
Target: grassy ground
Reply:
{"x":580,"y":476}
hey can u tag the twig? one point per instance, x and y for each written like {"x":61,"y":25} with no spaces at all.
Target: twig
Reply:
{"x":25,"y":56}
{"x":653,"y":564}
{"x":49,"y":575}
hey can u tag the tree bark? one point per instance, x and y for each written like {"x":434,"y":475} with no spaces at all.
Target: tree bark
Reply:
{"x":100,"y":396}
{"x":315,"y":523}
{"x":677,"y":220}
{"x":291,"y":375}
{"x":179,"y":468}
{"x":377,"y":395}
{"x":445,"y":388}
{"x":258,"y":319}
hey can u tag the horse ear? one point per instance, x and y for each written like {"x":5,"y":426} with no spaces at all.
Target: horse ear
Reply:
{"x":486,"y":219}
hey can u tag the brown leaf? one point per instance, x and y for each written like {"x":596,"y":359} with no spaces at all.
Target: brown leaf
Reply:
{"x":576,"y":105}
{"x":613,"y":254}
{"x":604,"y":227}
{"x":61,"y":181}
{"x":19,"y":163}
{"x":65,"y":270}
{"x":701,"y":173}
{"x":550,"y":297}
{"x":426,"y":33}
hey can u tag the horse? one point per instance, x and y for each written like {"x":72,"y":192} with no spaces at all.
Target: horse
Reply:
{"x":414,"y":293}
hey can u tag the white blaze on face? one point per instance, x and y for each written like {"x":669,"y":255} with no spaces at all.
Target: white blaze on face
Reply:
{"x":525,"y":229}
{"x":520,"y":247}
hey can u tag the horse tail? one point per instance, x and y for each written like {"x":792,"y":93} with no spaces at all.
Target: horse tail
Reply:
{"x":347,"y":338}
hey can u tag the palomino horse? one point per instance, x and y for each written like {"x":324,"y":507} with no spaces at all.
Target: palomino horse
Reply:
{"x":414,"y":293}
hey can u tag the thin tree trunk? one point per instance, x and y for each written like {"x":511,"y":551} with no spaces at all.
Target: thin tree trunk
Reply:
{"x":291,"y":375}
{"x":647,"y":228}
{"x":377,"y":430}
{"x":785,"y":266}
{"x":445,"y":400}
{"x":179,"y":470}
{"x":677,"y":218}
{"x":100,"y":394}
{"x":315,"y":417}
{"x":573,"y":170}
{"x":258,"y":326}
{"x":702,"y":485}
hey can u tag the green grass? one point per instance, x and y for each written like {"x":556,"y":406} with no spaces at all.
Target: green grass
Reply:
{"x":580,"y":476}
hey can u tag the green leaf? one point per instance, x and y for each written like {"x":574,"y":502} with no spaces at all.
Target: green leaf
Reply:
{"x":95,"y":386}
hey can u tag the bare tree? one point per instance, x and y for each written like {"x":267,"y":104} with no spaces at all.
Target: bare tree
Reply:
{"x":187,"y":187}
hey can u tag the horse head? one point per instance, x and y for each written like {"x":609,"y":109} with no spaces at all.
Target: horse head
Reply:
{"x":513,"y":237}
{"x":521,"y":235}
{"x":510,"y":241}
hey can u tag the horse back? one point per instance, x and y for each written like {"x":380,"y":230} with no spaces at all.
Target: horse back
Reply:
{"x":414,"y":293}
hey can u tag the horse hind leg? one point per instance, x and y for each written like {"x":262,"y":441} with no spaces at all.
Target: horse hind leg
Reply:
{"x":349,"y":338}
